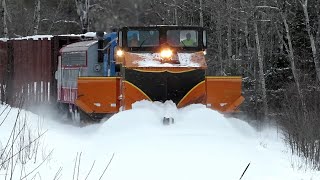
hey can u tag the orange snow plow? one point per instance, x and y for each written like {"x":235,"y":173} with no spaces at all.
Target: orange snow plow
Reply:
{"x":98,"y":94}
{"x":155,"y":63}
{"x":224,"y":93}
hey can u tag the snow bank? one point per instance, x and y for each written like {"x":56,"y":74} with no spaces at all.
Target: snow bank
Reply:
{"x":201,"y":144}
{"x":41,"y":37}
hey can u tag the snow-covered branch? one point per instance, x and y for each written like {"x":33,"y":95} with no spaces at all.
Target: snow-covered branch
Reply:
{"x":61,"y":21}
{"x":267,"y":7}
{"x":66,"y":21}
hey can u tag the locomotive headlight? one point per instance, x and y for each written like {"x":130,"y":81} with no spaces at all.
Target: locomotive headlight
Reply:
{"x":119,"y":53}
{"x":166,"y":53}
{"x":205,"y":52}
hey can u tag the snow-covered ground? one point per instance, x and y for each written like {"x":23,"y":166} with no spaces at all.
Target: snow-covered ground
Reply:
{"x":201,"y":144}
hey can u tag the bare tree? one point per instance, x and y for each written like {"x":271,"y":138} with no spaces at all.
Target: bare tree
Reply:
{"x":304,"y":4}
{"x":4,"y":14}
{"x":175,"y":13}
{"x":220,"y":42}
{"x":289,"y":49}
{"x":318,"y":20}
{"x":201,"y":13}
{"x":260,"y":62}
{"x":261,"y":71}
{"x":83,"y":13}
{"x":229,"y":35}
{"x":36,"y":17}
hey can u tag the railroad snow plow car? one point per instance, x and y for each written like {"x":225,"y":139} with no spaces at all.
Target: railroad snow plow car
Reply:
{"x":155,"y":63}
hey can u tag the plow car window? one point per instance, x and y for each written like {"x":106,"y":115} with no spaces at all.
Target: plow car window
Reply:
{"x":141,"y":38}
{"x":182,"y":38}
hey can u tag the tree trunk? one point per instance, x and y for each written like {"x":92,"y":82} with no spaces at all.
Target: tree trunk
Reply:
{"x":311,"y":37}
{"x":237,"y":53}
{"x":83,"y":11}
{"x":137,"y":10}
{"x":318,"y":35}
{"x":289,"y":48}
{"x":36,"y":17}
{"x":229,"y":36}
{"x":220,"y":42}
{"x":260,"y":64}
{"x":175,"y":12}
{"x":261,"y":72}
{"x":1,"y":11}
{"x":201,"y":14}
{"x":251,"y":69}
{"x":246,"y":32}
{"x":4,"y":14}
{"x":318,"y":31}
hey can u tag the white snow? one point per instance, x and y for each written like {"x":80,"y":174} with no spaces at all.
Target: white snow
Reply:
{"x":201,"y":144}
{"x":154,"y":60}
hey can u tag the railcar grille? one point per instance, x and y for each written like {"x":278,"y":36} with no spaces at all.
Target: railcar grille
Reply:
{"x":69,"y":78}
{"x":74,"y":59}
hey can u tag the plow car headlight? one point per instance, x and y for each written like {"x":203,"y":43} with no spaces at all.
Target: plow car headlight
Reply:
{"x":119,"y":53}
{"x":166,"y":53}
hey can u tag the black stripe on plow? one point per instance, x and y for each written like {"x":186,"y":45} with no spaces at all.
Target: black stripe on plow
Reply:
{"x":162,"y":86}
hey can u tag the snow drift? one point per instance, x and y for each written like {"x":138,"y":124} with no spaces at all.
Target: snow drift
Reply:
{"x":201,"y":144}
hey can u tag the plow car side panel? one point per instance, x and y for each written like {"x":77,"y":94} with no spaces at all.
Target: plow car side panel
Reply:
{"x":224,"y":93}
{"x":98,"y":95}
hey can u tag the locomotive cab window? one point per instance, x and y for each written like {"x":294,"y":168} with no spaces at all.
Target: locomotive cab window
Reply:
{"x":154,"y":39}
{"x":182,"y":38}
{"x":142,"y":38}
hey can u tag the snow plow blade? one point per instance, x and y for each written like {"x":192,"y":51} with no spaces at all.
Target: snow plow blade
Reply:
{"x":224,"y":93}
{"x":98,"y":95}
